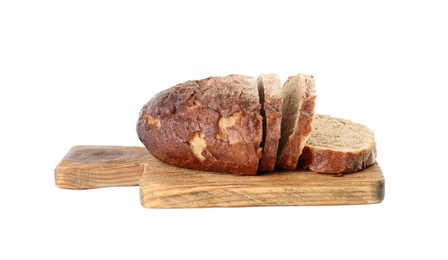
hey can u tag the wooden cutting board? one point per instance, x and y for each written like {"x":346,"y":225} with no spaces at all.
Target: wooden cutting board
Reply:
{"x":166,"y":186}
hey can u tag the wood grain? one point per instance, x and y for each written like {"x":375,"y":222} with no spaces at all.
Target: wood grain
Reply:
{"x":88,"y":166}
{"x":164,"y":186}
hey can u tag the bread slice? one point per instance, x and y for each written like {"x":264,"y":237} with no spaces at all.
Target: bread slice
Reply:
{"x":209,"y":124}
{"x":299,"y":96}
{"x":270,"y":89}
{"x":338,"y":146}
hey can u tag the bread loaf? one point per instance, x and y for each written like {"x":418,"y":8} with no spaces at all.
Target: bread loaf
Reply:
{"x":299,"y":97}
{"x":241,"y":125}
{"x":338,"y":145}
{"x":210,"y":124}
{"x":269,"y":86}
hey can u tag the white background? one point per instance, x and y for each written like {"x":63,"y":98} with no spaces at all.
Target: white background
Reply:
{"x":78,"y":72}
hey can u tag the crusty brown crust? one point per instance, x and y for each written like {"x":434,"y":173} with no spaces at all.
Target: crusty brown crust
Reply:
{"x":331,"y":161}
{"x":271,"y":96}
{"x":210,"y":124}
{"x":288,"y":157}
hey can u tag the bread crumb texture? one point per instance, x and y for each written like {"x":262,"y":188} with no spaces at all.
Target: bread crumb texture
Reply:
{"x":299,"y":98}
{"x":339,"y":134}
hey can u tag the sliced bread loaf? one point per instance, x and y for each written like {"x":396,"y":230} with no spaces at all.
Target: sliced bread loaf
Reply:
{"x":210,"y":124}
{"x":270,"y":89}
{"x":299,"y":97}
{"x":338,"y":145}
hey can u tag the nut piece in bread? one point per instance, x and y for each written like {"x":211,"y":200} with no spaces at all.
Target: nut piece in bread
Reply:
{"x":209,"y":124}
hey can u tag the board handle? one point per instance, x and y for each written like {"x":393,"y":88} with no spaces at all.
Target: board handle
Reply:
{"x":91,"y":166}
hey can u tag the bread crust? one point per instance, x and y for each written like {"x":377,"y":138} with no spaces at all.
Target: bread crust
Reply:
{"x":209,"y":124}
{"x":271,"y":96}
{"x":331,"y":161}
{"x":288,"y":156}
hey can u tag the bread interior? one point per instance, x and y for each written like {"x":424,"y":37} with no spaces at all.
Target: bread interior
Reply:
{"x":339,"y":134}
{"x":291,"y":93}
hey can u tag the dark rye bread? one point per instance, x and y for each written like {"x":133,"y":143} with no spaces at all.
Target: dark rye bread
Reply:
{"x":210,"y":124}
{"x":299,"y":97}
{"x":338,"y":145}
{"x":270,"y":89}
